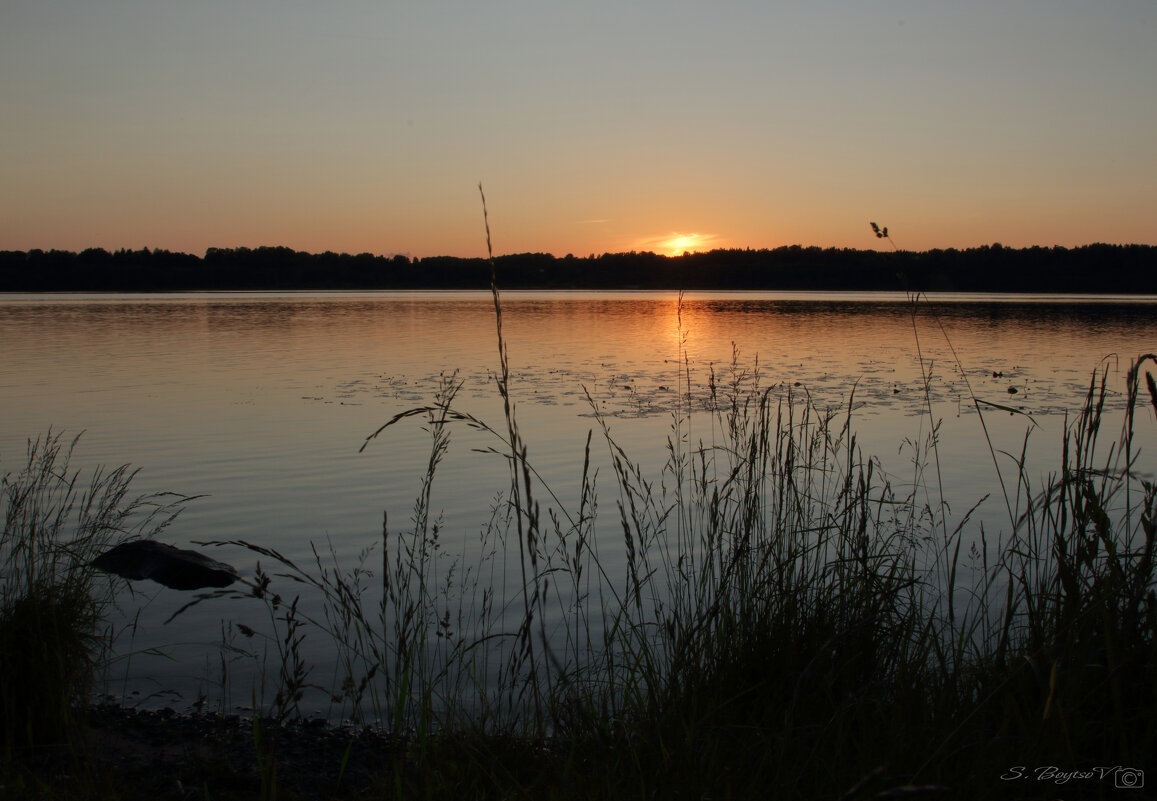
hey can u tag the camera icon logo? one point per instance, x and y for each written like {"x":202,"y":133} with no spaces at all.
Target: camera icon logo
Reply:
{"x":1129,"y":779}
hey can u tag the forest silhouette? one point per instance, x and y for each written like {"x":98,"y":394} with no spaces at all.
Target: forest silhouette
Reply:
{"x":1096,"y":268}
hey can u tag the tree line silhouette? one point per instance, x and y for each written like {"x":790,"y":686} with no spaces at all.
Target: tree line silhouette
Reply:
{"x":1096,"y":268}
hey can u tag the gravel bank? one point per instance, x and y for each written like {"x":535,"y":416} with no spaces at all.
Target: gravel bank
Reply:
{"x":139,"y":754}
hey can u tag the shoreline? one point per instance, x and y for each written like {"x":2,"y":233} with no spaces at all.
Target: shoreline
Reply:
{"x":159,"y":754}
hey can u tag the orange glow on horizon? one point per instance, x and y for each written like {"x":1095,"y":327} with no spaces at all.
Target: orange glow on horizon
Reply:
{"x":677,"y":244}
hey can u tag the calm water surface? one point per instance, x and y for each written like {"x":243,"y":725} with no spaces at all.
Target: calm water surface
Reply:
{"x":260,"y":402}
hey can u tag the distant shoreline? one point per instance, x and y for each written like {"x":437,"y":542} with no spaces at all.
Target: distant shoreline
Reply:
{"x":1089,"y":269}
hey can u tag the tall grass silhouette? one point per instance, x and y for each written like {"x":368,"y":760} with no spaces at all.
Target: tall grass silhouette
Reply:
{"x":781,"y":619}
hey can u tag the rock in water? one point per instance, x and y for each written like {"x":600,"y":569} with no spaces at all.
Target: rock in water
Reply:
{"x":173,"y":567}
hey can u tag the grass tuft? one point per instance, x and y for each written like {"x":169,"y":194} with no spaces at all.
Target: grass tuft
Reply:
{"x":52,"y":602}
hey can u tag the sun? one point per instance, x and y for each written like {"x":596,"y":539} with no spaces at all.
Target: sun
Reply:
{"x":678,"y":244}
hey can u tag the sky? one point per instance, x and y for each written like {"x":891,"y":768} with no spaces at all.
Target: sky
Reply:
{"x":596,"y":126}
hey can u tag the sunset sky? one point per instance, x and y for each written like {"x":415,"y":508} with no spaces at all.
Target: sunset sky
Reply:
{"x":595,"y":126}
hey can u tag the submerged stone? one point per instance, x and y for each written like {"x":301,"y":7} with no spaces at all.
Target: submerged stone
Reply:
{"x":173,"y":567}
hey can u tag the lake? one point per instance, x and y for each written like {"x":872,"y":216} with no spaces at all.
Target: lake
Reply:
{"x":259,"y":403}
